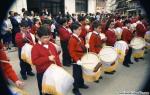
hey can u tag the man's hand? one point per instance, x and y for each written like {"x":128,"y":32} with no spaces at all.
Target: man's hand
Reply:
{"x":19,"y":84}
{"x":51,"y":58}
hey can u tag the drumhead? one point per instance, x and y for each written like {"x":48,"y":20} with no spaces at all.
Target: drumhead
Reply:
{"x":137,"y":43}
{"x":107,"y":54}
{"x":90,"y":60}
{"x":121,"y":45}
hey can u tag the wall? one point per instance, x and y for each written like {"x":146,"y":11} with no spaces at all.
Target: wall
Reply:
{"x":92,"y":6}
{"x":70,"y":6}
{"x":18,"y":5}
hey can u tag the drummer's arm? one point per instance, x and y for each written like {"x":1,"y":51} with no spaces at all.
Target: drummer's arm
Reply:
{"x":36,"y":59}
{"x":92,"y":45}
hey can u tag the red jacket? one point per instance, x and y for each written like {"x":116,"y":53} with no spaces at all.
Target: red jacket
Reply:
{"x":111,"y":38}
{"x":6,"y":67}
{"x":40,"y":54}
{"x":140,"y":30}
{"x":118,"y":24}
{"x":95,"y":43}
{"x":34,"y":29}
{"x":126,"y":35}
{"x":76,"y":48}
{"x":83,"y":31}
{"x":20,"y":40}
{"x":64,"y":34}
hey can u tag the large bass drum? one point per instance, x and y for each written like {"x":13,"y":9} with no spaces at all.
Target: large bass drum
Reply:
{"x":121,"y":47}
{"x":108,"y":56}
{"x":56,"y":81}
{"x":138,"y":44}
{"x":26,"y":53}
{"x":90,"y":61}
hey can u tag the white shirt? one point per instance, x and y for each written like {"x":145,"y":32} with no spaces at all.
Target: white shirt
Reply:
{"x":53,"y":28}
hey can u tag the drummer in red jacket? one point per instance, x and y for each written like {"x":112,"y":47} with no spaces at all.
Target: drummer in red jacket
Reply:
{"x":64,"y":35}
{"x":44,"y":54}
{"x":22,"y":37}
{"x":77,"y":49}
{"x":110,"y":34}
{"x":7,"y":68}
{"x":127,"y":37}
{"x":95,"y":42}
{"x":82,"y":21}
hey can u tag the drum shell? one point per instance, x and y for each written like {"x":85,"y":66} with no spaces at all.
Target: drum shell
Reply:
{"x":88,"y":74}
{"x":104,"y":55}
{"x":54,"y":84}
{"x":26,"y":53}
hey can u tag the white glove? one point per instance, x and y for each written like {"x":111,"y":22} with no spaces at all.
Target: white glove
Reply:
{"x":87,"y":45}
{"x":79,"y":62}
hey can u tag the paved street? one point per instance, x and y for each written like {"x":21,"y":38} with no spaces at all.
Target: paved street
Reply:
{"x":125,"y":79}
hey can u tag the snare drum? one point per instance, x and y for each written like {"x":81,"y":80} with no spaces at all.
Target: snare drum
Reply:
{"x":108,"y":56}
{"x":56,"y":81}
{"x":90,"y":61}
{"x":138,"y":43}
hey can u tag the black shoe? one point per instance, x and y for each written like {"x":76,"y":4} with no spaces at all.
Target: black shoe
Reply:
{"x":24,"y":77}
{"x":100,"y":77}
{"x":130,"y":62}
{"x":67,"y":65}
{"x":84,"y":86}
{"x":141,"y":58}
{"x":136,"y":59}
{"x":126,"y":65}
{"x":145,"y":52}
{"x":114,"y":71}
{"x":76,"y":92}
{"x":97,"y":81}
{"x":111,"y":73}
{"x":30,"y":74}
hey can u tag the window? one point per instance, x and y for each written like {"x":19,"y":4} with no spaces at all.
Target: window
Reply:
{"x":81,"y":5}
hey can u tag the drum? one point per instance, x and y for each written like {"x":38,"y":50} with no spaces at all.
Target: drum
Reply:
{"x":138,"y":44}
{"x":90,"y":61}
{"x":121,"y":47}
{"x":26,"y":53}
{"x":56,"y":81}
{"x":108,"y":56}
